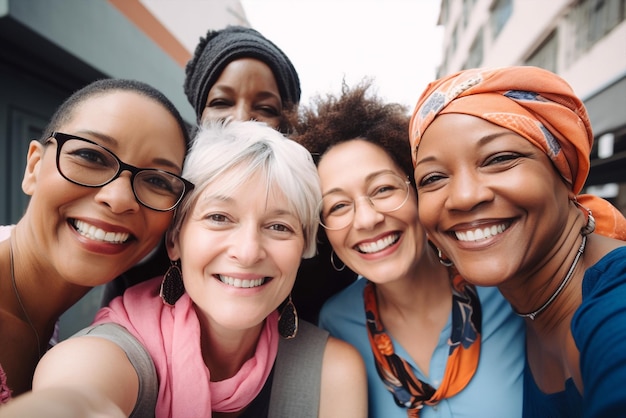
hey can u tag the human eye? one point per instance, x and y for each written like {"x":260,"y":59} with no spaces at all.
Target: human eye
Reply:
{"x":336,"y":206}
{"x":502,"y":158}
{"x":160,"y":182}
{"x":430,"y":179}
{"x":218,"y":218}
{"x":383,"y":190}
{"x":386,"y":186}
{"x":280,"y":227}
{"x":91,"y":156}
{"x":268,"y":110}
{"x":219,"y":102}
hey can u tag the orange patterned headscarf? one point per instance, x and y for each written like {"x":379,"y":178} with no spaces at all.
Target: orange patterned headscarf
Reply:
{"x":534,"y":103}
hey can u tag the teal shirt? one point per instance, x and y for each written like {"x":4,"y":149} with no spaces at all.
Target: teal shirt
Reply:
{"x":495,"y":391}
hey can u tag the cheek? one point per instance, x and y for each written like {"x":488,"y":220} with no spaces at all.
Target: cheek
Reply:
{"x":157,"y":223}
{"x":336,"y":239}
{"x":273,"y":122}
{"x":211,"y":114}
{"x":288,"y":260}
{"x":430,"y":206}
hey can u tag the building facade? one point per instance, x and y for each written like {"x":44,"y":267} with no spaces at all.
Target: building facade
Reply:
{"x":51,"y":48}
{"x":584,"y":41}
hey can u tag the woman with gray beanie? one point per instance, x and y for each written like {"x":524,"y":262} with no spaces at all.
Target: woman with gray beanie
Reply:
{"x":220,"y":54}
{"x":237,"y":73}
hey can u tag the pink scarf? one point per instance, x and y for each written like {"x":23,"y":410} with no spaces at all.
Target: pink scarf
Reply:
{"x":172,"y":337}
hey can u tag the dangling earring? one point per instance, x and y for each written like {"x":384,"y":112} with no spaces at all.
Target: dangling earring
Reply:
{"x":445,"y":261}
{"x":332,"y":261}
{"x":591,"y":221}
{"x":172,"y":286}
{"x":288,"y":320}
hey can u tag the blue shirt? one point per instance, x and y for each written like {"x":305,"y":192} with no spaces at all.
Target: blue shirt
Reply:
{"x":495,"y":391}
{"x":599,"y":330}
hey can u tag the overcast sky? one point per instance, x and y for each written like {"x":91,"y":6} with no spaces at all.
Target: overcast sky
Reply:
{"x":397,"y":42}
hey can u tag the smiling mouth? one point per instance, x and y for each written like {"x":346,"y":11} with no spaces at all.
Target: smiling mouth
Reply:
{"x":242,"y":283}
{"x":379,"y":245}
{"x":97,"y":234}
{"x":480,"y":234}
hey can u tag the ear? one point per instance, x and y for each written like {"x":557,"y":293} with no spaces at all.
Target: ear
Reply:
{"x":171,"y":244}
{"x":33,"y":164}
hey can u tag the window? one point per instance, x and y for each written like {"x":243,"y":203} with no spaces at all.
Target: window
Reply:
{"x":589,"y":21}
{"x":500,"y":14}
{"x":546,"y":55}
{"x":475,"y":58}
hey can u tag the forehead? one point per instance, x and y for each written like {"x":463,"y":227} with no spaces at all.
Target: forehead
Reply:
{"x":247,"y":69}
{"x":239,"y":190}
{"x":355,"y":155}
{"x":129,"y":117}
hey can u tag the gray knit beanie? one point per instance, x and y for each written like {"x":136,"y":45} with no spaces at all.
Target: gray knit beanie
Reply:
{"x":215,"y":51}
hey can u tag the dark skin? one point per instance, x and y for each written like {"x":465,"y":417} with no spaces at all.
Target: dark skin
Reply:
{"x":75,"y":261}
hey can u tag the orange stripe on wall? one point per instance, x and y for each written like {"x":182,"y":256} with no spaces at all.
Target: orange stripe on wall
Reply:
{"x":152,"y":27}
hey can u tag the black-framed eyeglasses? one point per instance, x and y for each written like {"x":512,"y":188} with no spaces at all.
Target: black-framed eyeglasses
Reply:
{"x":385,"y":193}
{"x":88,"y":164}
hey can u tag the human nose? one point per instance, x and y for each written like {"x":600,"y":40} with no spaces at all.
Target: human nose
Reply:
{"x":365,"y":214}
{"x":241,"y":112}
{"x":246,"y":246}
{"x":468,"y":190}
{"x":118,"y":195}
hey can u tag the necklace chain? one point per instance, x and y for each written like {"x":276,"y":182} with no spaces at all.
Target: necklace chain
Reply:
{"x":568,"y":276}
{"x":19,"y":299}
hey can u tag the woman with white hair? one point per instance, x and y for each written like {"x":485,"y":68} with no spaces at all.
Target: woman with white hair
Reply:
{"x":209,"y":328}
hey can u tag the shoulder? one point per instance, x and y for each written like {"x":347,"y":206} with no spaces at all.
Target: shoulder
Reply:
{"x":604,"y":288}
{"x":609,"y":271}
{"x":344,"y":381}
{"x":93,"y":363}
{"x":341,"y":357}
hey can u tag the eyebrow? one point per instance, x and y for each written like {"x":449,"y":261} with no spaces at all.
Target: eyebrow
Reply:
{"x":368,"y":178}
{"x":229,"y":90}
{"x":481,"y":142}
{"x":111,"y":141}
{"x":221,"y":198}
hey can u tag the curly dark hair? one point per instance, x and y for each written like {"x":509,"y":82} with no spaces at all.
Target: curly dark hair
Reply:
{"x":355,"y":113}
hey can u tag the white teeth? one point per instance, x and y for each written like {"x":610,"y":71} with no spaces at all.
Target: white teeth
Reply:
{"x":97,"y":234}
{"x":379,"y":245}
{"x":479,"y":234}
{"x":235,"y":282}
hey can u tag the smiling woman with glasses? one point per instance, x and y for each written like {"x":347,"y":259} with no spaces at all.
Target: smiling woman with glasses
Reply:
{"x":213,"y":342}
{"x":385,"y":192}
{"x":88,"y":164}
{"x":82,"y":227}
{"x":422,"y":332}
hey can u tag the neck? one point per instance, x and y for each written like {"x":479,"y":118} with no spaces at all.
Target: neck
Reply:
{"x":225,"y":351}
{"x":420,"y":293}
{"x":43,"y":293}
{"x":545,"y":295}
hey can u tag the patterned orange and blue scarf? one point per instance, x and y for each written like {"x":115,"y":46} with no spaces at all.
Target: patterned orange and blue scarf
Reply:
{"x":409,"y":391}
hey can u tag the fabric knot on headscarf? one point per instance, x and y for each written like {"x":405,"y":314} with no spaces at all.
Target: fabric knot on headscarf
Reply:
{"x":220,"y":47}
{"x":532,"y":102}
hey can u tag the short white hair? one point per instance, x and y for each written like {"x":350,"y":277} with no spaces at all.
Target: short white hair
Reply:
{"x":227,"y":153}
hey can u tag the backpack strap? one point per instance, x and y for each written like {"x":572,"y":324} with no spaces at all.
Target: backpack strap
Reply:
{"x":298,"y":374}
{"x":139,"y":358}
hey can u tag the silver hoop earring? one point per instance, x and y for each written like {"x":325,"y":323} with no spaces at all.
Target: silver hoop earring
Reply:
{"x":590,"y":226}
{"x":332,"y":261}
{"x":442,"y":260}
